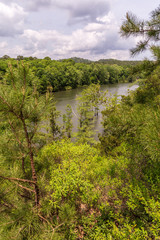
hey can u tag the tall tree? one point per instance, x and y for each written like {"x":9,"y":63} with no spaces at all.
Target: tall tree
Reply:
{"x":21,"y":111}
{"x":55,"y":128}
{"x":88,"y":108}
{"x":67,"y":121}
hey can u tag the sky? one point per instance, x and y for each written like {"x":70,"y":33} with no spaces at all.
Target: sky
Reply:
{"x":69,"y":28}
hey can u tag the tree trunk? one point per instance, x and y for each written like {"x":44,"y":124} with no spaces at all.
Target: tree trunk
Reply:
{"x":34,"y":177}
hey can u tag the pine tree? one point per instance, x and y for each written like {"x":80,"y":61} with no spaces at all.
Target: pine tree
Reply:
{"x":148,"y":30}
{"x":55,"y":128}
{"x":21,"y":110}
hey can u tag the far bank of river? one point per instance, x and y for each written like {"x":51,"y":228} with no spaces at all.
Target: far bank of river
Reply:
{"x":69,"y":97}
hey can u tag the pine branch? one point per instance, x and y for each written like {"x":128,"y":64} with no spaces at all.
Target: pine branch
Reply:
{"x":141,"y":46}
{"x":34,"y":131}
{"x":19,"y":185}
{"x":46,"y":221}
{"x":22,"y":228}
{"x":155,"y":13}
{"x":14,"y":132}
{"x":10,"y":108}
{"x":11,"y":221}
{"x":18,"y":179}
{"x":34,"y":177}
{"x":28,"y":189}
{"x":12,"y":76}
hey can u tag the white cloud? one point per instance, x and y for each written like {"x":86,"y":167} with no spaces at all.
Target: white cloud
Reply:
{"x":118,"y":54}
{"x":93,"y":40}
{"x":3,"y":44}
{"x":95,"y":36}
{"x":11,"y":19}
{"x":108,"y":19}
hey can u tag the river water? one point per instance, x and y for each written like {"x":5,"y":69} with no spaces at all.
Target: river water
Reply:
{"x":69,"y":97}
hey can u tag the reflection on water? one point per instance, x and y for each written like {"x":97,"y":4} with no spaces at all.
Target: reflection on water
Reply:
{"x":69,"y":97}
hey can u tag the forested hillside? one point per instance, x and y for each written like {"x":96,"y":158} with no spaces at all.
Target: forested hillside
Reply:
{"x":58,"y":185}
{"x":68,"y":74}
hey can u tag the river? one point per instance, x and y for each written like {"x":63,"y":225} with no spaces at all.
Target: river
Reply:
{"x":69,"y":97}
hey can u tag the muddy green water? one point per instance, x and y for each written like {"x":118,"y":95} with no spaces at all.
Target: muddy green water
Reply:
{"x":69,"y":97}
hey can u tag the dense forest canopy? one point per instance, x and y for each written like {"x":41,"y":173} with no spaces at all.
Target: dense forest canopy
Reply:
{"x":68,"y":73}
{"x":55,"y":188}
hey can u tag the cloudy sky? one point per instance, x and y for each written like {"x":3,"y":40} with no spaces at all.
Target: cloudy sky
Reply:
{"x":68,"y":28}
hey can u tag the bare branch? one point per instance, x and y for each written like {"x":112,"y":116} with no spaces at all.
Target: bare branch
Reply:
{"x":46,"y":221}
{"x":28,"y":189}
{"x":18,"y":179}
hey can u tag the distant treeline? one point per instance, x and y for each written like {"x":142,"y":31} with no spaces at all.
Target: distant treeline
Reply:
{"x":107,"y":61}
{"x":71,"y":73}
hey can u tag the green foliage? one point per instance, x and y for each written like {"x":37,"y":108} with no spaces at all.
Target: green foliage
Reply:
{"x":76,"y":190}
{"x":74,"y":184}
{"x":68,"y":74}
{"x":87,"y":195}
{"x":67,"y":121}
{"x":22,"y":110}
{"x":131,"y":130}
{"x":55,"y":128}
{"x":88,"y":108}
{"x":149,"y":30}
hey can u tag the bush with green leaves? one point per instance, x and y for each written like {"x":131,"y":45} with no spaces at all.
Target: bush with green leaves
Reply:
{"x":75,"y":181}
